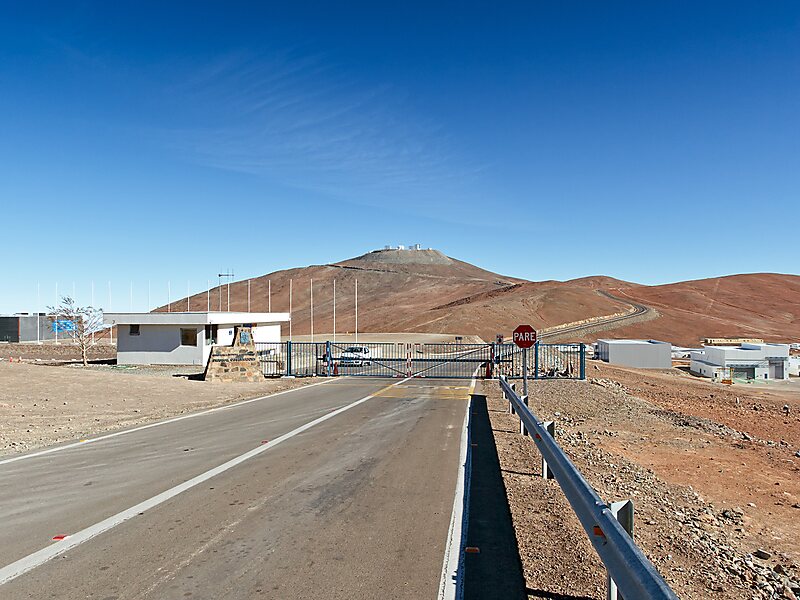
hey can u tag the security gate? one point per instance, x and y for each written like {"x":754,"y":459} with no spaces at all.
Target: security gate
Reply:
{"x":545,"y":361}
{"x":439,"y":360}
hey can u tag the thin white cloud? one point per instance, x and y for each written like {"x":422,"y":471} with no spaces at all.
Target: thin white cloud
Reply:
{"x":302,"y":123}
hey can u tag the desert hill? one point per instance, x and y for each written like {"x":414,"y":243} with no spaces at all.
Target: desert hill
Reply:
{"x":427,"y":291}
{"x":765,"y":305}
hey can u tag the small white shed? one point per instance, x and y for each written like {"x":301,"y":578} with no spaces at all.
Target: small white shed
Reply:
{"x":642,"y":354}
{"x":185,"y":338}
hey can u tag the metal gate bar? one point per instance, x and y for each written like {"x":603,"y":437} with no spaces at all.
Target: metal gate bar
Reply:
{"x":447,"y":360}
{"x":383,"y":360}
{"x":435,"y":360}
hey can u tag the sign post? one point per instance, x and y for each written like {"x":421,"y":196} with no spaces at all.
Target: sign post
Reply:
{"x":524,"y":337}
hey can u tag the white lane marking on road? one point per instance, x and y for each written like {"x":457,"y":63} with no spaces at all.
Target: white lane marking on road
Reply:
{"x":156,"y":424}
{"x":451,"y":582}
{"x":25,"y":564}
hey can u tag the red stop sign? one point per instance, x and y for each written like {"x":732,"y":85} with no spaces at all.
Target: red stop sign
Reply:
{"x":524,"y":336}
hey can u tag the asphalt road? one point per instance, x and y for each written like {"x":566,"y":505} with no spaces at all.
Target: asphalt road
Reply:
{"x":354,"y":506}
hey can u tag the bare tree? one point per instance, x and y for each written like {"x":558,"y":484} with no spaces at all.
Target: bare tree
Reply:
{"x":79,"y":323}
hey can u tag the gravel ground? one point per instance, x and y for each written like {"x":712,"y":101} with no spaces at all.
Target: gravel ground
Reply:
{"x":704,"y":548}
{"x":43,"y":405}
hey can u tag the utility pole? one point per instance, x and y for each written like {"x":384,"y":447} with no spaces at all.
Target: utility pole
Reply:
{"x":269,"y":295}
{"x":131,"y":297}
{"x":188,"y":294}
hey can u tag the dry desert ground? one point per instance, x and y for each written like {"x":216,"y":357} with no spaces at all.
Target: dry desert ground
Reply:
{"x":714,"y":473}
{"x":41,"y":405}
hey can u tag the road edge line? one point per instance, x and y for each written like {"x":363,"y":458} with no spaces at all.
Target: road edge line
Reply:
{"x":451,"y":583}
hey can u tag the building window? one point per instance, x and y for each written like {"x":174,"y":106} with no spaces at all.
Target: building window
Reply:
{"x":134,"y":330}
{"x":211,"y":334}
{"x":188,"y":337}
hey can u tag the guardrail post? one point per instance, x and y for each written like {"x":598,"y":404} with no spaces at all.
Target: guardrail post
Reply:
{"x":511,"y":410}
{"x":522,"y":429}
{"x":536,"y":360}
{"x":623,"y":512}
{"x":583,"y":360}
{"x":288,"y":359}
{"x":550,"y":426}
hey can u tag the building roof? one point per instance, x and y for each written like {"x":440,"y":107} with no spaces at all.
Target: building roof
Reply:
{"x":193,"y":318}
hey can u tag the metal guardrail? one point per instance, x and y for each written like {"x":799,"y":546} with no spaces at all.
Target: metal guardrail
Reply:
{"x":627,"y":566}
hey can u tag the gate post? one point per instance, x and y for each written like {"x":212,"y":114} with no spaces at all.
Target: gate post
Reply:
{"x":328,"y":358}
{"x":536,"y":360}
{"x":583,"y":360}
{"x":288,"y":359}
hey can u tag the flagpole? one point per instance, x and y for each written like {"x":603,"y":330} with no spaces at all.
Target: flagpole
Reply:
{"x":356,"y":310}
{"x":334,"y":311}
{"x":55,"y":324}
{"x":111,"y":330}
{"x":38,"y":310}
{"x":92,"y":309}
{"x":312,"y":311}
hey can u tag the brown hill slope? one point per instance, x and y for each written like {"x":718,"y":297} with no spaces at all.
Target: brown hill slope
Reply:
{"x":426,"y":291}
{"x":763,"y":305}
{"x":393,"y":286}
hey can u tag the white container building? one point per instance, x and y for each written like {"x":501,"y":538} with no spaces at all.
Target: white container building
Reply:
{"x":641,"y":354}
{"x":185,"y":338}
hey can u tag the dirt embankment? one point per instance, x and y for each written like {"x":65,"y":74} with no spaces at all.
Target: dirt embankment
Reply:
{"x":44,"y":405}
{"x":713,"y":481}
{"x":51,"y":352}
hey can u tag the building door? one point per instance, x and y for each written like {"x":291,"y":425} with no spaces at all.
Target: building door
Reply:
{"x":776,"y":370}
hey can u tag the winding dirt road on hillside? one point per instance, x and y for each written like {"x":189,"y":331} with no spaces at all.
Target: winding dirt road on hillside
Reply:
{"x":639,"y":313}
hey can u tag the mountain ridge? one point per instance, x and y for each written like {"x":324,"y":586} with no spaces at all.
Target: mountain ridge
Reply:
{"x":428,"y":291}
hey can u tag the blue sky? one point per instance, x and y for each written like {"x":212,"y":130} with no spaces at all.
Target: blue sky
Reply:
{"x":140,"y":142}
